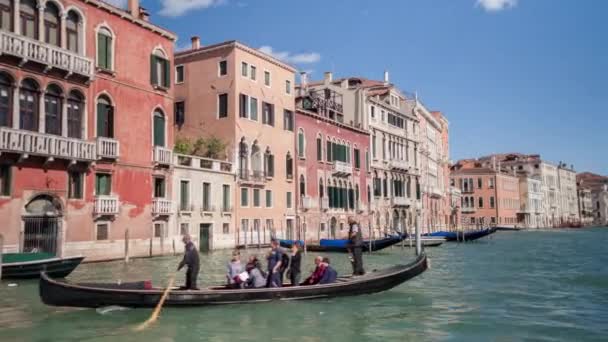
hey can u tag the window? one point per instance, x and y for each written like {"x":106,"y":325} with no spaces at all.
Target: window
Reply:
{"x":179,"y":74}
{"x":103,"y":230}
{"x":226,"y":228}
{"x":159,"y":70}
{"x":267,"y":78}
{"x":367,"y":161}
{"x":184,"y":195}
{"x":301,"y":144}
{"x":328,"y":153}
{"x":385,"y":186}
{"x":357,"y":158}
{"x":75,"y":108}
{"x":28,"y":105}
{"x":253,"y":73}
{"x":72,"y":26}
{"x":104,"y":49}
{"x":244,"y":197}
{"x":6,"y":97}
{"x":492,"y":202}
{"x":253,"y":108}
{"x":184,"y":229}
{"x":53,"y":109}
{"x":6,"y":15}
{"x":289,"y":200}
{"x":5,"y":180}
{"x":51,"y":24}
{"x":244,"y":69}
{"x":480,"y":202}
{"x":222,"y":105}
{"x":267,"y":113}
{"x":160,"y":231}
{"x":180,"y":113}
{"x":105,"y":117}
{"x":75,"y":184}
{"x":207,"y":196}
{"x":302,"y":186}
{"x":223,"y":68}
{"x":268,"y":198}
{"x":103,"y":184}
{"x":479,"y":183}
{"x":319,"y":148}
{"x":372,"y":112}
{"x":159,"y":128}
{"x":374,"y":146}
{"x":256,"y":198}
{"x":28,"y":14}
{"x":289,"y":166}
{"x":288,"y":120}
{"x":288,"y":87}
{"x":225,"y":198}
{"x":491,"y":183}
{"x":269,"y":163}
{"x":159,"y":187}
{"x":243,"y":106}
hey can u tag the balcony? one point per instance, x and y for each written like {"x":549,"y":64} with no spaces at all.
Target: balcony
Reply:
{"x":401,"y":202}
{"x":307,"y":203}
{"x":325,"y":204}
{"x":435,"y":192}
{"x":162,"y":207}
{"x":194,"y":162}
{"x":107,"y":148}
{"x":106,"y":205}
{"x":253,"y":178}
{"x":45,"y":145}
{"x":342,"y":169}
{"x":163,"y":156}
{"x":467,"y":210}
{"x":207,"y":210}
{"x":49,"y":55}
{"x":399,"y":165}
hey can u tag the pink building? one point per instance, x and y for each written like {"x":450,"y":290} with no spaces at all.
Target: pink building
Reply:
{"x":83,"y":122}
{"x":331,"y":169}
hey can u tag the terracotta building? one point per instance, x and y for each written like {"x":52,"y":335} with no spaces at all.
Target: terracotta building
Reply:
{"x":331,"y":169}
{"x":245,"y":98}
{"x":83,"y":121}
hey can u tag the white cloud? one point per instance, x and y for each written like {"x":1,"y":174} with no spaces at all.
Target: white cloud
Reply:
{"x":298,"y":58}
{"x":496,"y":5}
{"x":175,"y":8}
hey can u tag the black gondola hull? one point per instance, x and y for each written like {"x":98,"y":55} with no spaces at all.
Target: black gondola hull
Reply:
{"x":56,"y":268}
{"x":376,"y":245}
{"x":57,"y":293}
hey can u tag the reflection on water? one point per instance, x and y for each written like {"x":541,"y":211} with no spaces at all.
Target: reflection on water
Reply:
{"x":515,"y":286}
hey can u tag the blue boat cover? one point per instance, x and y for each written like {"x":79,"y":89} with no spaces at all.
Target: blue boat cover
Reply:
{"x":333,"y":243}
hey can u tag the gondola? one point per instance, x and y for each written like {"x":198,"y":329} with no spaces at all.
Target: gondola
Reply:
{"x":29,"y":265}
{"x":62,"y":293}
{"x":463,"y":236}
{"x":508,"y":229}
{"x":426,"y":241}
{"x":341,"y":246}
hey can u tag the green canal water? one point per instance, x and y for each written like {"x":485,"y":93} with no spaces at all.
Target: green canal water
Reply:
{"x":513,"y":286}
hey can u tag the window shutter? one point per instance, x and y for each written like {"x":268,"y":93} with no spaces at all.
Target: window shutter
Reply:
{"x":101,"y":50}
{"x":159,"y":131}
{"x":271,"y":165}
{"x":153,"y":71}
{"x":108,"y":52}
{"x":101,"y":119}
{"x":110,"y":121}
{"x":167,"y":76}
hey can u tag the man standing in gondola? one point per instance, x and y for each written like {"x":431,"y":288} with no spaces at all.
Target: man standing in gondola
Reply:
{"x":191,"y":259}
{"x":355,"y":239}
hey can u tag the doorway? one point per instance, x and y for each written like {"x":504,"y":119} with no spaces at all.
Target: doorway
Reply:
{"x":41,"y":225}
{"x":332,"y":228}
{"x":205,"y":237}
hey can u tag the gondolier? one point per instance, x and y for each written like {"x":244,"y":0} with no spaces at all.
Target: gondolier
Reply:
{"x":191,"y":259}
{"x":355,"y":239}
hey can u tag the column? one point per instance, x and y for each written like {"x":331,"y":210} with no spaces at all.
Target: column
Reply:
{"x":16,"y":105}
{"x":16,"y":18}
{"x":62,"y":31}
{"x":64,"y":117}
{"x":41,"y":113}
{"x":40,"y":22}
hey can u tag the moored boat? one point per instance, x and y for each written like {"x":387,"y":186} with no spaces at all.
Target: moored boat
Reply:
{"x":62,"y":293}
{"x":341,"y":246}
{"x":463,"y":236}
{"x":29,"y":265}
{"x":426,"y":242}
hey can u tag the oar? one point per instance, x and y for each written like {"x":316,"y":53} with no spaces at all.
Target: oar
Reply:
{"x":158,"y":307}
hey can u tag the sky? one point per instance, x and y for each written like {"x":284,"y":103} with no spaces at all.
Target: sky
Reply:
{"x":527,"y":76}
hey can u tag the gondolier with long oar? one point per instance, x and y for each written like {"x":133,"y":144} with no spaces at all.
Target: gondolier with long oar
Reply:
{"x":191,"y":259}
{"x":355,"y":241}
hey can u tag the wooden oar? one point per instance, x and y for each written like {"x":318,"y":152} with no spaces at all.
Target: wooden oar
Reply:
{"x":158,"y":307}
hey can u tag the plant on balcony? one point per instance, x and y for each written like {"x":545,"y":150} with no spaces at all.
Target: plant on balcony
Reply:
{"x":182,"y":146}
{"x":212,"y":147}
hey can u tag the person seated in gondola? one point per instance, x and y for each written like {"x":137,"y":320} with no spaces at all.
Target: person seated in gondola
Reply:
{"x":318,"y":273}
{"x":257,"y":278}
{"x":330,"y":275}
{"x":234,"y":270}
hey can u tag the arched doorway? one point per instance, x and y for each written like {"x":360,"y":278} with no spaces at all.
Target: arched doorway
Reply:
{"x":42,"y":223}
{"x":332,"y":227}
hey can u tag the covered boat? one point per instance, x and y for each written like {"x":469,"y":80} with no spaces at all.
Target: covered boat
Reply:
{"x":341,"y":245}
{"x":62,"y":293}
{"x":29,"y":265}
{"x":426,"y":241}
{"x":463,"y":236}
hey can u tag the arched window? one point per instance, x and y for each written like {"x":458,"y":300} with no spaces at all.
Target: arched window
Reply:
{"x":159,"y":128}
{"x":28,"y":14}
{"x":321,"y":190}
{"x":302,"y":186}
{"x":369,"y":195}
{"x":256,"y":160}
{"x":289,"y":166}
{"x":481,"y":202}
{"x":159,"y":69}
{"x":105,"y":117}
{"x":52,"y":32}
{"x":301,"y":144}
{"x":52,"y":109}
{"x":28,"y":105}
{"x":269,"y":162}
{"x":319,"y":148}
{"x":6,"y":15}
{"x":6,"y":100}
{"x":385,"y":185}
{"x":243,"y":159}
{"x":72,"y":24}
{"x":105,"y":47}
{"x":75,"y":110}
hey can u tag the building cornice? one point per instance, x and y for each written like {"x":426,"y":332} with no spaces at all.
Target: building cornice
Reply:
{"x":332,"y":122}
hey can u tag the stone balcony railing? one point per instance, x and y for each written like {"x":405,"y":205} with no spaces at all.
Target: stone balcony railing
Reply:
{"x":256,"y":177}
{"x":435,"y":192}
{"x":46,"y":145}
{"x":199,"y":163}
{"x":162,"y":206}
{"x":342,"y":169}
{"x":399,"y":164}
{"x":324,"y":203}
{"x":400,"y":202}
{"x":307,"y":203}
{"x":467,"y":210}
{"x":163,"y":156}
{"x":108,"y":148}
{"x":49,"y":55}
{"x":106,"y":205}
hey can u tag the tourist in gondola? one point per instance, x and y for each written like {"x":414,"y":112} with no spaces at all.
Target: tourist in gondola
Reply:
{"x":256,"y":278}
{"x":295,"y":263}
{"x":355,"y":237}
{"x":191,"y":260}
{"x":275,"y":257}
{"x":330,"y":275}
{"x":234,"y":269}
{"x":318,"y":273}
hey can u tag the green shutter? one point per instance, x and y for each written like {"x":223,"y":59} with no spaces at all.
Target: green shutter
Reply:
{"x":167,"y":76}
{"x":153,"y":73}
{"x":101,"y":50}
{"x":159,"y":131}
{"x":109,"y":53}
{"x":329,"y":151}
{"x":101,"y":119}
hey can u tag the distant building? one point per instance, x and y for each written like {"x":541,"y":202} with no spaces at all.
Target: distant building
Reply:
{"x":568,"y":196}
{"x":593,"y":198}
{"x":531,"y":199}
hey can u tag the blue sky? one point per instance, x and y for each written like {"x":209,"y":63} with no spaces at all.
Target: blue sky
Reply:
{"x":511,"y":75}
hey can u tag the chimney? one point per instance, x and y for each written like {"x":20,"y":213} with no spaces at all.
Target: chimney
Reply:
{"x":329,"y":77}
{"x":133,"y":8}
{"x":386,"y":77}
{"x":196,"y":42}
{"x":304,"y":80}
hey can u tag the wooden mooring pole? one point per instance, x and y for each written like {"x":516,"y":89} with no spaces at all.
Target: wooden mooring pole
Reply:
{"x":127,"y":245}
{"x":1,"y":251}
